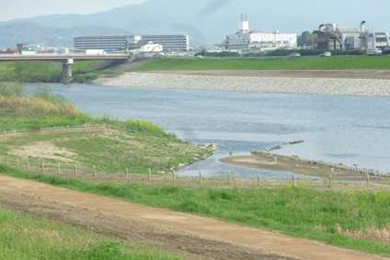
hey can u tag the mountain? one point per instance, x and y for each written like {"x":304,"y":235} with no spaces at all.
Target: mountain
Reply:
{"x":27,"y":32}
{"x":206,"y":21}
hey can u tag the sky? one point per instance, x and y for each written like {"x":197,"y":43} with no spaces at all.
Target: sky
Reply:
{"x":12,"y":9}
{"x":286,"y":15}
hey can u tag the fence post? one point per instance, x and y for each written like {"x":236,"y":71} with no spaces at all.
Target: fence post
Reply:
{"x":234,"y":178}
{"x":150,"y":175}
{"x":293,"y":180}
{"x":258,"y":180}
{"x":330,"y":180}
{"x":18,"y":163}
{"x":227,"y":178}
{"x":200,"y":178}
{"x":368,"y":180}
{"x":42,"y":167}
{"x":127,"y":175}
{"x":174,"y":176}
{"x":94,"y":170}
{"x":59,"y":168}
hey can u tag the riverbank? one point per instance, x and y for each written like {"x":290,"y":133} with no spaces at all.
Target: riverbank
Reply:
{"x":44,"y":129}
{"x":259,"y":82}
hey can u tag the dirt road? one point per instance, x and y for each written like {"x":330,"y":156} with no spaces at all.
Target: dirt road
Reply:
{"x":195,"y":237}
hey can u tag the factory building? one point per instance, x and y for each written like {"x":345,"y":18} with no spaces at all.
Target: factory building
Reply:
{"x":169,"y":43}
{"x":332,"y":37}
{"x":247,"y":40}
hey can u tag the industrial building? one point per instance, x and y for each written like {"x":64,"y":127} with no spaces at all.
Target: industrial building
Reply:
{"x":331,"y":37}
{"x":169,"y":43}
{"x":246,"y":40}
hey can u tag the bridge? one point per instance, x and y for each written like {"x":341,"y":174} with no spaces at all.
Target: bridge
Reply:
{"x":65,"y":59}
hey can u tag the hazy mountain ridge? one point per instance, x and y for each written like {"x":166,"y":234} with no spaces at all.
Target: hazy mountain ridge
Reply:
{"x":206,"y":21}
{"x":27,"y":32}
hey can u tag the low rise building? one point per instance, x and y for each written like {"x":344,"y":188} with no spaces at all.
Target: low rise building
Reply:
{"x":382,"y":39}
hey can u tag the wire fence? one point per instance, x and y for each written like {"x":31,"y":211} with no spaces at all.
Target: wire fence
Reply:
{"x":78,"y":171}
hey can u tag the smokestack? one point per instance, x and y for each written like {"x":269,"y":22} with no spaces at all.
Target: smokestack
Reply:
{"x":244,"y":23}
{"x":362,"y":26}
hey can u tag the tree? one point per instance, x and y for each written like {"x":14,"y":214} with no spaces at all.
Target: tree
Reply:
{"x":307,"y":39}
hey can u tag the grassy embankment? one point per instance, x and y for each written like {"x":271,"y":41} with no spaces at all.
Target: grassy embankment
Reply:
{"x":135,"y":144}
{"x":353,"y":219}
{"x":83,"y":71}
{"x":23,"y":237}
{"x":304,"y":63}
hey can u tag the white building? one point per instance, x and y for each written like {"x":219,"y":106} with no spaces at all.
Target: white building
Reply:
{"x":151,"y":47}
{"x":272,"y":41}
{"x":247,"y":40}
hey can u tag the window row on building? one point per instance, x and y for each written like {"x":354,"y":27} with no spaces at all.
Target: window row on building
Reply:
{"x":170,"y":43}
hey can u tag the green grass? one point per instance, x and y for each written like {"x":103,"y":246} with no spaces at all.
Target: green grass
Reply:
{"x":138,"y":145}
{"x":83,"y":71}
{"x":26,"y":238}
{"x":322,"y":215}
{"x":363,"y":62}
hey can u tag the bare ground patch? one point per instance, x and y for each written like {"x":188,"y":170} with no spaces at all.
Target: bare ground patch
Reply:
{"x":45,"y":150}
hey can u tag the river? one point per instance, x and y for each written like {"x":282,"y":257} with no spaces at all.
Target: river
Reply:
{"x":338,"y":129}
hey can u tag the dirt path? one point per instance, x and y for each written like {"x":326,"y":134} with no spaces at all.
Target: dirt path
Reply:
{"x":197,"y":237}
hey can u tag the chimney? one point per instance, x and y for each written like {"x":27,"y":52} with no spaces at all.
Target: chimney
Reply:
{"x":244,"y":23}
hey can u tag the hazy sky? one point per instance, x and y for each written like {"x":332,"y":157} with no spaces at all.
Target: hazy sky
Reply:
{"x":11,"y":9}
{"x":288,"y":15}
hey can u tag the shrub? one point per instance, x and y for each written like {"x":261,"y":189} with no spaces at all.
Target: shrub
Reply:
{"x":11,"y":89}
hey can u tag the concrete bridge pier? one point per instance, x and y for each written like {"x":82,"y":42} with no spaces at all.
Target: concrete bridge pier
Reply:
{"x":67,"y":71}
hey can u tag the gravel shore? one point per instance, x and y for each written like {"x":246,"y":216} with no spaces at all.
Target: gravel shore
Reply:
{"x":260,"y":84}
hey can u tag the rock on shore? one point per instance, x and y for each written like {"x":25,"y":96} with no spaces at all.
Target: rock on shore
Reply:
{"x":327,"y":86}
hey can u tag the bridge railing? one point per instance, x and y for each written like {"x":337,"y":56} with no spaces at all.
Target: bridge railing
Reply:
{"x":67,"y":55}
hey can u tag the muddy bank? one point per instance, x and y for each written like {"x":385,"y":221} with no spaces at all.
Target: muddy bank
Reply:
{"x":261,"y":82}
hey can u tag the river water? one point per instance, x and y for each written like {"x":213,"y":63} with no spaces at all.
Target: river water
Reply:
{"x":338,"y":129}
